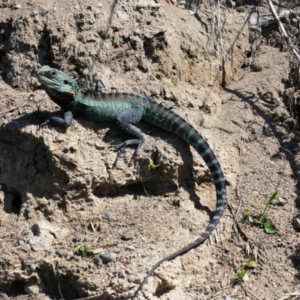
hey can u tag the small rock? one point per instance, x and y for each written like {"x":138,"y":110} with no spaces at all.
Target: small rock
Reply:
{"x":25,"y":247}
{"x":130,"y":247}
{"x":246,"y":277}
{"x":108,"y":257}
{"x":224,"y":283}
{"x":296,"y":223}
{"x":18,"y":6}
{"x":279,"y":201}
{"x":121,"y":275}
{"x":44,"y":11}
{"x":256,"y":66}
{"x":99,"y":5}
{"x":106,"y":217}
{"x":127,"y":237}
{"x":207,"y":289}
{"x":61,"y":252}
{"x":97,"y":250}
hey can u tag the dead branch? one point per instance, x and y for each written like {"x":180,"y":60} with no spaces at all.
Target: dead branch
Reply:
{"x":282,"y":30}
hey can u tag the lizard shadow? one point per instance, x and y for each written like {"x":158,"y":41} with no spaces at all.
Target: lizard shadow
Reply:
{"x":185,"y":171}
{"x":32,"y":118}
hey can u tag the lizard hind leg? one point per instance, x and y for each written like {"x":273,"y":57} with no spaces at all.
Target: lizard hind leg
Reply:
{"x":125,"y":121}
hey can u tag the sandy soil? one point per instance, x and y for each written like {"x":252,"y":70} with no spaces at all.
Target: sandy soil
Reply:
{"x":231,"y":80}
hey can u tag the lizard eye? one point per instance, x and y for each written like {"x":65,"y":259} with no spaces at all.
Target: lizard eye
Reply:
{"x":66,"y":82}
{"x":53,"y":73}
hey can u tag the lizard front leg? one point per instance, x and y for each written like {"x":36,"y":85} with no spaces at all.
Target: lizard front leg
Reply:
{"x":60,"y":122}
{"x":125,"y":121}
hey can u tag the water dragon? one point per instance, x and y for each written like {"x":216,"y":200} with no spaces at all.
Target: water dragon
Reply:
{"x":128,"y":109}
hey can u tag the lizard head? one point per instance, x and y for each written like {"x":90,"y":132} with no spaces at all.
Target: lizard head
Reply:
{"x":60,"y":86}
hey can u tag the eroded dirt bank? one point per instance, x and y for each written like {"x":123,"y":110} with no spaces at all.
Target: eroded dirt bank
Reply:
{"x":59,"y":190}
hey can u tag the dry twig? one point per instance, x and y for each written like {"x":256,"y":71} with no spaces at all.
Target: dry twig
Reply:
{"x":288,"y":296}
{"x":282,"y":30}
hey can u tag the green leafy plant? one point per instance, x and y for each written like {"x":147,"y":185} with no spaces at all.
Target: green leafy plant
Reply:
{"x":250,"y":264}
{"x":81,"y":250}
{"x":262,"y":220}
{"x":273,"y":113}
{"x":153,"y":166}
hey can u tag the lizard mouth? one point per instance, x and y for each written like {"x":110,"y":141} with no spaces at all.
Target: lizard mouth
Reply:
{"x":44,"y":75}
{"x":58,"y":85}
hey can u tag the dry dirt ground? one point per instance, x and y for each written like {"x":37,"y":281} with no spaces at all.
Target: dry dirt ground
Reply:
{"x":59,"y":190}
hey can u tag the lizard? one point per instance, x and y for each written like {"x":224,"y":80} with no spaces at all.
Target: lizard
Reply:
{"x":126,"y":110}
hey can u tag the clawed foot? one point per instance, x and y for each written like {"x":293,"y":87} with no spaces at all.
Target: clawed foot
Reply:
{"x":121,"y":147}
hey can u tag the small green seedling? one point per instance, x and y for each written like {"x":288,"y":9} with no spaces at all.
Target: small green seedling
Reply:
{"x":262,"y":220}
{"x":81,"y":250}
{"x":250,"y":264}
{"x":153,"y":166}
{"x":273,"y":113}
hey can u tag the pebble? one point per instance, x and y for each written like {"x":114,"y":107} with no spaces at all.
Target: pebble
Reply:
{"x":97,"y":250}
{"x":108,"y":257}
{"x":44,"y":11}
{"x":130,"y":247}
{"x":99,"y":5}
{"x":296,"y":223}
{"x":61,"y":252}
{"x":106,"y":217}
{"x":126,"y":237}
{"x":121,"y":275}
{"x":207,"y":289}
{"x":279,"y":201}
{"x":224,"y":283}
{"x":25,"y":247}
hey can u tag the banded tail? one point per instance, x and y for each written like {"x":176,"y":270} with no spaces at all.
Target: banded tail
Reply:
{"x":170,"y":121}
